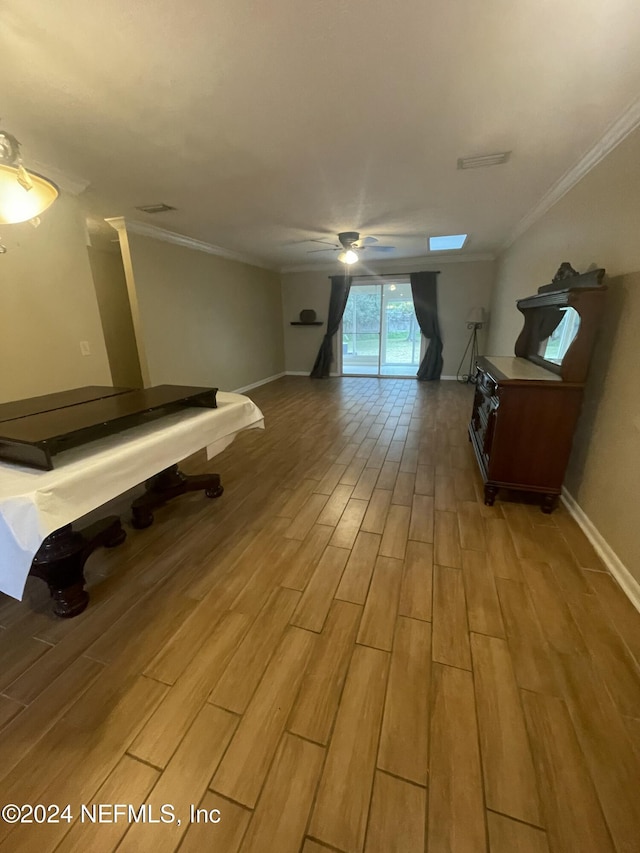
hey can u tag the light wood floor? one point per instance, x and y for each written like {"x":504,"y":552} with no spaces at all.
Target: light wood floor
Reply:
{"x":348,"y":651}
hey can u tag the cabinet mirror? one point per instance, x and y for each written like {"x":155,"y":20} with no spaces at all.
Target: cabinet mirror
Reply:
{"x":560,"y":325}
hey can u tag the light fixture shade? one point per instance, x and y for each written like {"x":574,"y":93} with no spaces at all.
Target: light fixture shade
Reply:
{"x":18,"y":204}
{"x":348,"y":257}
{"x":477,"y":315}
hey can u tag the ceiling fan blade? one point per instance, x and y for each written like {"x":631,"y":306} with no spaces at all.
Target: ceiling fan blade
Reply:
{"x":330,"y":249}
{"x":311,"y":240}
{"x":379,"y":248}
{"x":367,"y":241}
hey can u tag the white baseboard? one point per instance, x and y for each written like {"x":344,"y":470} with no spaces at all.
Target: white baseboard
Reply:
{"x":620,"y":572}
{"x":259,"y":382}
{"x":306,"y":373}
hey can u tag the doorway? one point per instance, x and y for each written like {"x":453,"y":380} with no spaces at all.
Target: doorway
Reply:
{"x":380,"y":333}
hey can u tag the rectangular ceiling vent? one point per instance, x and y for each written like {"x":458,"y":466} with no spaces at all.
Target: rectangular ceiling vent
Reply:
{"x":483,"y":160}
{"x":155,"y":208}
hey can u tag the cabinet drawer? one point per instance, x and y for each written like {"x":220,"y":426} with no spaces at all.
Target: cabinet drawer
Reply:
{"x":485,"y":383}
{"x":483,"y":405}
{"x":483,"y":420}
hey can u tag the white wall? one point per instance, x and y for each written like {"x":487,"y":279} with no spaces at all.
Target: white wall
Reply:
{"x":201,"y":319}
{"x":461,"y":286}
{"x":597,"y":222}
{"x":47,"y":306}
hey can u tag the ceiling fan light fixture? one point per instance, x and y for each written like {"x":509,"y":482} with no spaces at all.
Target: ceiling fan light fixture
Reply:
{"x":23,"y":195}
{"x":348,"y":257}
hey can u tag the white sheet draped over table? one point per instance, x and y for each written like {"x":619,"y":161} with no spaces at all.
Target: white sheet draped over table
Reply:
{"x":35,"y":503}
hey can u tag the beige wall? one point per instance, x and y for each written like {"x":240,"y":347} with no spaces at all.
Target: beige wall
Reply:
{"x":597,"y":222}
{"x":461,"y":286}
{"x":304,"y":290}
{"x":115,"y":314}
{"x":47,"y":306}
{"x":202,"y":319}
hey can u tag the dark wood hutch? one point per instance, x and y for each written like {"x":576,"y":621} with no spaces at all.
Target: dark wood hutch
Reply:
{"x":526,"y":407}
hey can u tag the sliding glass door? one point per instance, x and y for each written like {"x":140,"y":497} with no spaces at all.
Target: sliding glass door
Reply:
{"x":380,"y":333}
{"x":361,"y":330}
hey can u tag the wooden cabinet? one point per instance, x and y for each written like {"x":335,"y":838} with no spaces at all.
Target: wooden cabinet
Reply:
{"x":526,"y":407}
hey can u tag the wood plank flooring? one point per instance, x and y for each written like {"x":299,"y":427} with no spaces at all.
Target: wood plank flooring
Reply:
{"x":346,"y":652}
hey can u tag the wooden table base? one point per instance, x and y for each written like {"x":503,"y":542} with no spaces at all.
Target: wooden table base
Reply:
{"x":61,"y":558}
{"x":169,"y":484}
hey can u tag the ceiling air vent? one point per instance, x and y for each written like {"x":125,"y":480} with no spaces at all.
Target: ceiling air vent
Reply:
{"x":155,"y":208}
{"x":483,"y":160}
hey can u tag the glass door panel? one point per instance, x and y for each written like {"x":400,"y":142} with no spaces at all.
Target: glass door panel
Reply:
{"x":400,"y":347}
{"x":361,"y":331}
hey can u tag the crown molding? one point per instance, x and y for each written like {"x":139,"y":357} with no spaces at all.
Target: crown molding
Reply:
{"x":435,"y":259}
{"x":612,"y":137}
{"x":70,"y":184}
{"x":133,"y":226}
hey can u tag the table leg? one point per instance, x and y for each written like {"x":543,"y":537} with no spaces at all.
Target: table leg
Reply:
{"x":169,"y":484}
{"x":61,"y":558}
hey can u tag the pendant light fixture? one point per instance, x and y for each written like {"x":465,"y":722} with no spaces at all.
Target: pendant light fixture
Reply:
{"x":23,"y":195}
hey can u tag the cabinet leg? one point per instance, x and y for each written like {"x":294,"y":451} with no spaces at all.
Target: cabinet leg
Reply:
{"x":490,"y":494}
{"x":549,"y":503}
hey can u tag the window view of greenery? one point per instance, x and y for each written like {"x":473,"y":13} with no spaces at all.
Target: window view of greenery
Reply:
{"x":363,"y":349}
{"x":361,"y":323}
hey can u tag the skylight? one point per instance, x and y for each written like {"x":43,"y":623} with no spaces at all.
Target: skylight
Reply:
{"x":452,"y":241}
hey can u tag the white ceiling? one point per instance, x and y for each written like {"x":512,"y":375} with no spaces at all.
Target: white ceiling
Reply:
{"x":268,"y":123}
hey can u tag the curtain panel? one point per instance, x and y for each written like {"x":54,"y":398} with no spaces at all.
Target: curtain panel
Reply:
{"x":340,"y":287}
{"x":424,"y":288}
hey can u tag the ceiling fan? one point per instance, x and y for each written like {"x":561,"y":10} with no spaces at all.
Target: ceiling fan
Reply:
{"x":350,"y":244}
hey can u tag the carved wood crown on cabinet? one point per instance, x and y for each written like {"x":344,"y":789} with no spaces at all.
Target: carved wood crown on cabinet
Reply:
{"x":525,"y":408}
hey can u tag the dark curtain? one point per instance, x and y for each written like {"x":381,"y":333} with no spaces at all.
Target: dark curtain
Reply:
{"x":548,"y":319}
{"x":340,"y":286}
{"x":424,"y":288}
{"x":540,"y":324}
